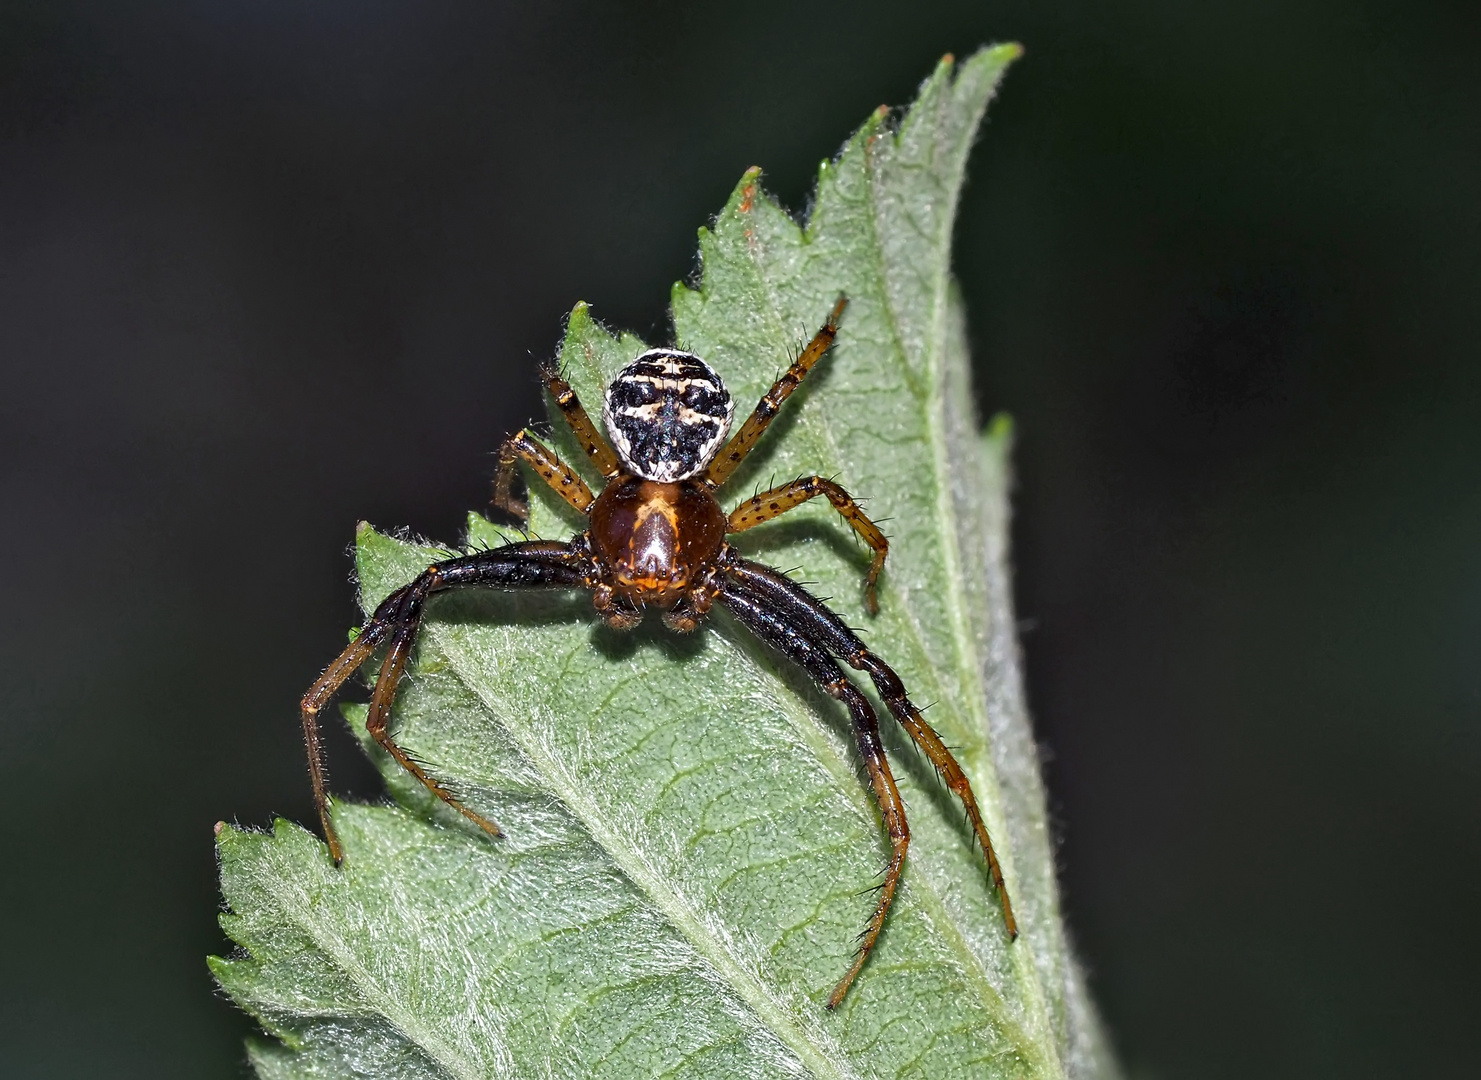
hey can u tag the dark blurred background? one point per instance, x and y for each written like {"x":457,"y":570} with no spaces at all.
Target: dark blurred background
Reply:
{"x":269,"y":268}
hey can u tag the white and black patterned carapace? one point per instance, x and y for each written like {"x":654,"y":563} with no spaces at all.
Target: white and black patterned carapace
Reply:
{"x":667,"y":413}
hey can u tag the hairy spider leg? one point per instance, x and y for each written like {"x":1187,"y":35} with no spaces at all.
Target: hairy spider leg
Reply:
{"x":531,"y":564}
{"x":555,"y":472}
{"x":597,"y":448}
{"x":770,"y":504}
{"x":376,"y":722}
{"x":780,"y":594}
{"x":786,"y":638}
{"x":925,"y":737}
{"x":550,"y":468}
{"x":742,"y":442}
{"x":318,"y":695}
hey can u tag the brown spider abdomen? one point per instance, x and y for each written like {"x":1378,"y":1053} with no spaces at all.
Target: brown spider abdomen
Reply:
{"x":655,"y":539}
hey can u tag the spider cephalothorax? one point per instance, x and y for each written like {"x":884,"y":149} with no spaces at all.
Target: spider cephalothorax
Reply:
{"x":655,"y":536}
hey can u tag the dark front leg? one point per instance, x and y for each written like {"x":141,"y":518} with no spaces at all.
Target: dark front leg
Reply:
{"x":535,"y":564}
{"x":790,"y":640}
{"x":777,"y":593}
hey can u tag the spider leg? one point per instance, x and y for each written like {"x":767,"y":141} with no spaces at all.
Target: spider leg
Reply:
{"x":742,"y":442}
{"x":784,"y":636}
{"x":780,"y":594}
{"x":562,"y":479}
{"x":380,"y":714}
{"x":533,"y":564}
{"x":771,"y":504}
{"x":318,"y":695}
{"x":597,"y":448}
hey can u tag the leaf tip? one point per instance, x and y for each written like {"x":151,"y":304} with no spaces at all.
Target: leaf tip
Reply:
{"x":580,"y":315}
{"x":365,"y":538}
{"x":748,"y":190}
{"x":230,"y":840}
{"x":583,"y":335}
{"x":742,"y":200}
{"x":989,"y":63}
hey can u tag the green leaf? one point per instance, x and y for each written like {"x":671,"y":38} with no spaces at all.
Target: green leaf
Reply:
{"x":689,"y":847}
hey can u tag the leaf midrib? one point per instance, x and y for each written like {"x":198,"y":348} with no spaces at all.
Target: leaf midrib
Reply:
{"x":822,"y":435}
{"x":823,"y":1057}
{"x":810,"y":726}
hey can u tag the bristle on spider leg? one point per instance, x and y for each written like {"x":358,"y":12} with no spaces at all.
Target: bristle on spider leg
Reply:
{"x":872,"y":927}
{"x":455,"y":791}
{"x":417,"y":759}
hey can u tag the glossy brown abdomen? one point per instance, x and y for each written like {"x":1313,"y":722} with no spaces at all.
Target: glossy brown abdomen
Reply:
{"x":656,"y":538}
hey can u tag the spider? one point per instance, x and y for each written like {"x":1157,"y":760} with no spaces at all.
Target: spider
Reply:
{"x":655,"y":536}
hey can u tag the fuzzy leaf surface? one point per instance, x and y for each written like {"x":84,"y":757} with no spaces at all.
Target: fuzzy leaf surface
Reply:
{"x":689,"y":846}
